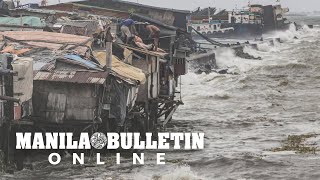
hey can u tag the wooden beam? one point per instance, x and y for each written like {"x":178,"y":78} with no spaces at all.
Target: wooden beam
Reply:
{"x":7,"y":98}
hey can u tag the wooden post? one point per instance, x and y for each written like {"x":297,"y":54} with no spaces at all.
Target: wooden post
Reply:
{"x":2,"y":133}
{"x":172,"y":39}
{"x":109,"y":50}
{"x":153,"y":115}
{"x":209,"y":14}
{"x":8,"y":111}
{"x":146,"y":121}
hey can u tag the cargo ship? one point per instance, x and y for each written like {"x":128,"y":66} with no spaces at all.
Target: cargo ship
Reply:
{"x":240,"y":23}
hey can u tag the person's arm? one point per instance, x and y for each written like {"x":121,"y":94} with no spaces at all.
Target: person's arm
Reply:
{"x":149,"y":30}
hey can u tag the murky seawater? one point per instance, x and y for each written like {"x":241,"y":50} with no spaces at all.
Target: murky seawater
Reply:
{"x":243,"y":116}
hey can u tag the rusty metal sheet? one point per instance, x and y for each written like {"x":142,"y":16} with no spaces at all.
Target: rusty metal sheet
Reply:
{"x":12,"y":50}
{"x":70,"y":7}
{"x":82,"y":77}
{"x":47,"y":37}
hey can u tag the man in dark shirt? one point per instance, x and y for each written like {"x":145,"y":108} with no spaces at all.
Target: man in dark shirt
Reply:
{"x":128,"y":29}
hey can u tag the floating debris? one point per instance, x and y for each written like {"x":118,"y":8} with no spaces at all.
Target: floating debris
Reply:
{"x":297,"y":143}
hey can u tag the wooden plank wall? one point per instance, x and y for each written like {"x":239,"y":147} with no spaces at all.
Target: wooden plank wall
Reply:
{"x":59,"y":102}
{"x":143,"y":89}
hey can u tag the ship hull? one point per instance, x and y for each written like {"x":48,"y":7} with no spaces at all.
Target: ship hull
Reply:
{"x":241,"y":31}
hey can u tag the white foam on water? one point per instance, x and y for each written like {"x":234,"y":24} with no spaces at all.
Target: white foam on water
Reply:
{"x":283,"y":35}
{"x":175,"y":173}
{"x":181,"y":173}
{"x":290,"y":35}
{"x":264,"y":47}
{"x":226,"y":58}
{"x":200,"y":85}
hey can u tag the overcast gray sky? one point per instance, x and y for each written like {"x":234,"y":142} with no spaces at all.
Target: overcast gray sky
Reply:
{"x":294,"y":5}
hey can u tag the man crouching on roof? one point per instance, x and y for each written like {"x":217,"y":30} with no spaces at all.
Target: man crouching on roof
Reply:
{"x":128,"y":30}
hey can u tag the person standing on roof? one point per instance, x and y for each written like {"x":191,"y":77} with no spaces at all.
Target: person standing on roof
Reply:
{"x":128,"y":30}
{"x":154,"y":34}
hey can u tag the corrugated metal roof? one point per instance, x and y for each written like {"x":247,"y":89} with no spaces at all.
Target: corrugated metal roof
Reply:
{"x":49,"y":40}
{"x":40,"y":11}
{"x":28,"y":21}
{"x":122,"y":70}
{"x":47,"y":37}
{"x":38,"y":65}
{"x":81,"y":77}
{"x":137,"y":5}
{"x":91,"y":9}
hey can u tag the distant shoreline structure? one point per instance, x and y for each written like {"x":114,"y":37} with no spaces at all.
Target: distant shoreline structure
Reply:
{"x":315,"y":13}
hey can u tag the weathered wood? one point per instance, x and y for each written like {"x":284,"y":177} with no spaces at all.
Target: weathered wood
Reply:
{"x":76,"y":90}
{"x":108,"y":56}
{"x":7,"y":98}
{"x":5,"y":72}
{"x":56,"y":106}
{"x":39,"y":101}
{"x":62,"y":102}
{"x":170,"y":115}
{"x":74,"y":102}
{"x":9,"y":112}
{"x":143,"y":89}
{"x":108,"y":43}
{"x":80,"y":114}
{"x":80,"y":44}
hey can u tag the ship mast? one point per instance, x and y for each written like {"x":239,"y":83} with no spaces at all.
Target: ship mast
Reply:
{"x":16,"y":2}
{"x":209,"y":14}
{"x":44,"y":2}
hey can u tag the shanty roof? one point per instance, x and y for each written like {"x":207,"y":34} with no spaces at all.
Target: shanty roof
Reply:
{"x":29,"y":21}
{"x":82,"y":77}
{"x":88,"y":72}
{"x":74,"y":70}
{"x":137,"y":5}
{"x":69,"y":68}
{"x":60,"y":65}
{"x":122,"y":70}
{"x":71,"y":7}
{"x":47,"y":37}
{"x":39,"y":12}
{"x":49,"y":40}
